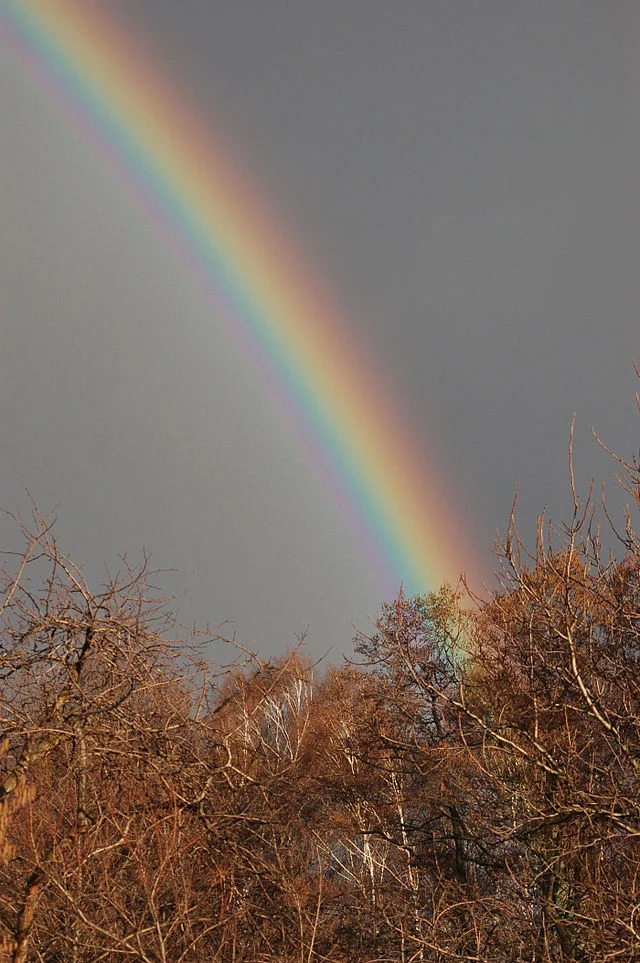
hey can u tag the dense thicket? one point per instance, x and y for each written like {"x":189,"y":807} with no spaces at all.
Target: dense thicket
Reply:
{"x":469,"y":790}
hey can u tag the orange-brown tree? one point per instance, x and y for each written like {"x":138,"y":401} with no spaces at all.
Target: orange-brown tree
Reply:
{"x":467,"y":791}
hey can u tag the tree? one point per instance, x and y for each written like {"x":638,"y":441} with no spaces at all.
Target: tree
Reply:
{"x":96,"y":713}
{"x":469,"y":790}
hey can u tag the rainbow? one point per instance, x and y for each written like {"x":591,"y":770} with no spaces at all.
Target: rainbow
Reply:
{"x":192,"y":186}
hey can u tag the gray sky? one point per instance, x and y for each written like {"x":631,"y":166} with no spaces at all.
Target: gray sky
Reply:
{"x":462,"y":176}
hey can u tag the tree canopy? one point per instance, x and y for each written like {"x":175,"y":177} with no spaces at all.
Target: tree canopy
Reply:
{"x":467,"y":788}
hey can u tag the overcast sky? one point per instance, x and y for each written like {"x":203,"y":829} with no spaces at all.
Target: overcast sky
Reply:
{"x":461,"y":174}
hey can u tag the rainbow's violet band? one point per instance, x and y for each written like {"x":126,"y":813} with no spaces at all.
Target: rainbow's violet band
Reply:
{"x":190,"y":184}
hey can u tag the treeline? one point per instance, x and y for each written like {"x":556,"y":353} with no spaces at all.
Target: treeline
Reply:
{"x":469,"y":790}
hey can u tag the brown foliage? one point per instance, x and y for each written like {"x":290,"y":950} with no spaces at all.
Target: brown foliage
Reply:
{"x":468,"y":791}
